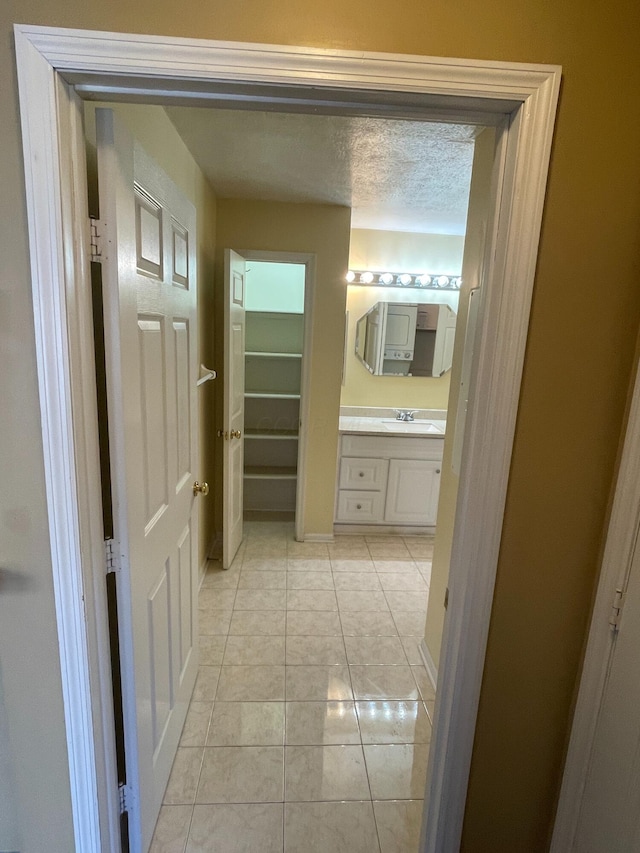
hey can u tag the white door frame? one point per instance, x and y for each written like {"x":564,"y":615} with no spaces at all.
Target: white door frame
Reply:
{"x":621,"y":542}
{"x":521,"y":98}
{"x":309,"y":262}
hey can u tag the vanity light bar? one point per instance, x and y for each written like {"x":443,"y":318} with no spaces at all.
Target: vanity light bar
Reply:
{"x":396,"y":279}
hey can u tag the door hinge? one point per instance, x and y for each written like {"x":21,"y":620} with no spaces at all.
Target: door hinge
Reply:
{"x":112,"y":561}
{"x":96,"y":241}
{"x":616,"y":610}
{"x":125,"y":795}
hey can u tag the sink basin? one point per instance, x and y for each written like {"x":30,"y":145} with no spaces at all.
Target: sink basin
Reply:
{"x":419,"y":426}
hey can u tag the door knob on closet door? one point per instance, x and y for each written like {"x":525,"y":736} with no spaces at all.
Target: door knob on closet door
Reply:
{"x":200,"y":489}
{"x":235,"y":433}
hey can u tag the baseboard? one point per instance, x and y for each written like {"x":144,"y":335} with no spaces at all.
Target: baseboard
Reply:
{"x":317,"y":537}
{"x":429,"y":665}
{"x":382,"y":530}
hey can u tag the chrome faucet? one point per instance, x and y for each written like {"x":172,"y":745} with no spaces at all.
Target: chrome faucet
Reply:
{"x":405,"y":415}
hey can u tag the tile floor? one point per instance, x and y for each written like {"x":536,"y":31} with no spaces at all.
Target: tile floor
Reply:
{"x":310,"y":722}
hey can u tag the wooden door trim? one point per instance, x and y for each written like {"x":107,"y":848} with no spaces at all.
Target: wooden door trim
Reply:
{"x":120,"y":64}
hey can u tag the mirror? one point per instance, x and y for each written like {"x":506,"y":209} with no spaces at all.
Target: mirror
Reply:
{"x":395,"y":339}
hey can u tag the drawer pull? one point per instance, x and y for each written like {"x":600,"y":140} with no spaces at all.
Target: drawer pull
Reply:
{"x":358,"y":506}
{"x":361,"y":474}
{"x":437,"y":470}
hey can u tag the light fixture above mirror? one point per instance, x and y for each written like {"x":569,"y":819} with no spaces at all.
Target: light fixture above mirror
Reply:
{"x":428,"y":281}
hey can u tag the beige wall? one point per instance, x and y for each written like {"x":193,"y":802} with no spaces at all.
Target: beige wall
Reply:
{"x":152,"y":128}
{"x":478,"y":206}
{"x":402,"y":251}
{"x":322,"y":230}
{"x":578,"y":364}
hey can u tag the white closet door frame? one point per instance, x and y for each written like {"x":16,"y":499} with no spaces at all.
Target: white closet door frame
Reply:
{"x":520,"y":99}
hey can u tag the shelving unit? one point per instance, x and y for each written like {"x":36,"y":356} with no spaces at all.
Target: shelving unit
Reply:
{"x":273,"y":361}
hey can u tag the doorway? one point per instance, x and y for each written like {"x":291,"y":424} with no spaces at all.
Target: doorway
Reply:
{"x":50,"y":119}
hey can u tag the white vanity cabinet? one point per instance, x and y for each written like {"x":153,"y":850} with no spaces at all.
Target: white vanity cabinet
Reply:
{"x":389,"y":480}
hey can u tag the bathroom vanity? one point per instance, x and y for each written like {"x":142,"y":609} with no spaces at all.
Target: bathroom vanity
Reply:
{"x":388,"y":473}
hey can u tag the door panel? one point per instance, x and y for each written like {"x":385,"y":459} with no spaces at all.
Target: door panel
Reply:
{"x":150,"y":315}
{"x":233,"y":415}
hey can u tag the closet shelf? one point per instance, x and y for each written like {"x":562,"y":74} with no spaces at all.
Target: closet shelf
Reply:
{"x":258,"y":354}
{"x":273,"y":434}
{"x":264,"y":472}
{"x":270,"y":395}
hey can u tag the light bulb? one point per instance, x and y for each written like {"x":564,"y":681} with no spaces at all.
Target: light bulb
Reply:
{"x":366,"y":277}
{"x":386,"y":278}
{"x":350,"y":276}
{"x":404,"y":279}
{"x":424,"y":280}
{"x":443,"y":280}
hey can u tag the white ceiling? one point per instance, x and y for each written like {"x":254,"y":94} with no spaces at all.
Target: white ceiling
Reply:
{"x":395,"y":175}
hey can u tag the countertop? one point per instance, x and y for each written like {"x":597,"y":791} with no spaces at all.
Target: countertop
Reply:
{"x":423,"y":427}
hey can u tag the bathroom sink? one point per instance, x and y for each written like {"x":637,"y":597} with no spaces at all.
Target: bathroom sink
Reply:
{"x":420,"y":427}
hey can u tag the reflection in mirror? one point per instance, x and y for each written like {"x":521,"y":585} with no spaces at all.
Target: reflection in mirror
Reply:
{"x":394,"y":339}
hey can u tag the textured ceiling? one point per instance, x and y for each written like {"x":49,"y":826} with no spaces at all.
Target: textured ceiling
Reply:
{"x":395,"y":175}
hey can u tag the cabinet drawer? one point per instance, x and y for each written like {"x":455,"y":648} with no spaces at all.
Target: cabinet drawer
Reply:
{"x":360,"y":506}
{"x":363,"y":474}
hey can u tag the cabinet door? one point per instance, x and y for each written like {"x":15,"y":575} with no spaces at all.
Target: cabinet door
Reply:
{"x":412,"y":492}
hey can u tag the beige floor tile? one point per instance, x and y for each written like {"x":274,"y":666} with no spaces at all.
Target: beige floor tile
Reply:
{"x":171,"y":830}
{"x":403,"y":582}
{"x":265,"y":563}
{"x":309,"y":580}
{"x":260,"y":599}
{"x":320,"y":683}
{"x":411,"y":650}
{"x":375,"y":650}
{"x":196,"y":725}
{"x":410,"y":623}
{"x":206,"y":684}
{"x":389,"y":551}
{"x":397,"y":771}
{"x":212,"y":649}
{"x":307,"y":549}
{"x":247,"y":724}
{"x":357,"y":581}
{"x":421,"y":552}
{"x":251,"y":684}
{"x":241,"y":774}
{"x":383,"y":539}
{"x":213,"y":598}
{"x":263,"y":580}
{"x":352,"y":565}
{"x":254,"y":651}
{"x":407,"y":600}
{"x":368,"y":623}
{"x":315,"y":650}
{"x":325,"y":773}
{"x":339,"y":551}
{"x":352,"y":601}
{"x":330,"y":828}
{"x":383,"y":682}
{"x":183,"y":780}
{"x":424,"y":683}
{"x":308,"y":564}
{"x":393,"y":722}
{"x":264,"y":548}
{"x":424,"y":567}
{"x":258,"y":622}
{"x":316,"y":599}
{"x":399,"y":823}
{"x":219,"y":578}
{"x":314,"y":623}
{"x":394,"y":566}
{"x":214,"y":621}
{"x":321,"y":723}
{"x":236,"y":828}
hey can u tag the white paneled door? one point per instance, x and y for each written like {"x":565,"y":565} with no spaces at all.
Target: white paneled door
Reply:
{"x":149,"y":291}
{"x":233,"y":414}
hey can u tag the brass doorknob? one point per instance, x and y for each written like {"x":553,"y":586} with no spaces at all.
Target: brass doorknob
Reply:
{"x":200,"y":488}
{"x":235,"y":433}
